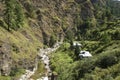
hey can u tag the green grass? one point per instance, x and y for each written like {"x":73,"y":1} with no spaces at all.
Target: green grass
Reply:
{"x":26,"y":46}
{"x":40,"y":71}
{"x":22,"y":46}
{"x":5,"y":78}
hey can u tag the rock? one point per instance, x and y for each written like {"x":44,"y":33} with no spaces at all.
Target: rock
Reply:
{"x":43,"y":78}
{"x":45,"y":58}
{"x":5,"y":60}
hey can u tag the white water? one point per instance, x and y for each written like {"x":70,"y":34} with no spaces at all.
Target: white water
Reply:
{"x":45,"y":58}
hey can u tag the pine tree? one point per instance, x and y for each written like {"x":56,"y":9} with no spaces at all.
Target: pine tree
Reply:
{"x":19,"y":15}
{"x":77,"y":51}
{"x":14,"y":15}
{"x":9,"y":14}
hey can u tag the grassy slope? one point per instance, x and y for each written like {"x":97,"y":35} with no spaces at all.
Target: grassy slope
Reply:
{"x":23,"y":45}
{"x":17,"y":39}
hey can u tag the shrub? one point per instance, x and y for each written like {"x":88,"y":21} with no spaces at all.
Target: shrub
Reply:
{"x":77,"y":52}
{"x":105,"y":38}
{"x":52,"y":41}
{"x":16,"y":72}
{"x":107,"y":61}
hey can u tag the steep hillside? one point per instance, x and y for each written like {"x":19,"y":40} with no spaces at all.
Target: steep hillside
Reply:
{"x":114,"y":5}
{"x":28,"y":25}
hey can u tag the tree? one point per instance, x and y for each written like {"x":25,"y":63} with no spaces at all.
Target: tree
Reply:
{"x":105,"y":38}
{"x":9,"y":14}
{"x":107,"y":61}
{"x":19,"y":15}
{"x":108,"y":14}
{"x":52,"y":41}
{"x":14,"y":15}
{"x":116,"y":35}
{"x":77,"y":51}
{"x":71,"y":45}
{"x":70,"y":35}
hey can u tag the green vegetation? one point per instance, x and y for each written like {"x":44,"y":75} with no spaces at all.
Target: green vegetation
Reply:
{"x":52,"y":41}
{"x":105,"y":38}
{"x":18,"y":54}
{"x":19,"y":15}
{"x":16,"y":72}
{"x":77,"y":51}
{"x":114,"y":6}
{"x":4,"y":78}
{"x":14,"y":15}
{"x":99,"y":36}
{"x":103,"y":65}
{"x":27,"y":25}
{"x":40,"y":72}
{"x":61,"y":63}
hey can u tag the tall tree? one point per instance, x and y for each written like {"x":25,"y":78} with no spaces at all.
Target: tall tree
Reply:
{"x":14,"y":15}
{"x":19,"y":15}
{"x":9,"y":14}
{"x":77,"y":51}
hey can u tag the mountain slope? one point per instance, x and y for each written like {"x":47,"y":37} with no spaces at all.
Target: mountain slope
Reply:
{"x":44,"y":23}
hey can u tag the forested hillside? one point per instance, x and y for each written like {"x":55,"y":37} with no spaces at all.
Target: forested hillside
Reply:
{"x":29,"y":25}
{"x":114,"y":6}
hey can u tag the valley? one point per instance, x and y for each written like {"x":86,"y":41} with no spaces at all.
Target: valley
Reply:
{"x":37,"y":39}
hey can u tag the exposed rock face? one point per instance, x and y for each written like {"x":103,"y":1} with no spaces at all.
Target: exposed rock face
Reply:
{"x":5,"y":60}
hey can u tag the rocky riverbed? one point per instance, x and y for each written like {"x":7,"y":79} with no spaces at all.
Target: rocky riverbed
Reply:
{"x":44,"y":54}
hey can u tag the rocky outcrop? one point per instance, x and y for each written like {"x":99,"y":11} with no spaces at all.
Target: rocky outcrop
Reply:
{"x":5,"y":59}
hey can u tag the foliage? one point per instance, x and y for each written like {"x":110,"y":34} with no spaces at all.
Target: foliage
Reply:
{"x":40,"y":72}
{"x":9,"y":14}
{"x":63,"y":60}
{"x":77,"y":52}
{"x":19,"y":15}
{"x":114,"y":6}
{"x":5,"y":78}
{"x":105,"y":38}
{"x":52,"y":41}
{"x":69,"y":35}
{"x":13,"y":15}
{"x":98,"y":26}
{"x":16,"y":72}
{"x":107,"y":61}
{"x":116,"y":35}
{"x":102,"y":66}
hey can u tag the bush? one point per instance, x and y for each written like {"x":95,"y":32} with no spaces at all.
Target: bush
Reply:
{"x":105,"y":38}
{"x":107,"y":61}
{"x":16,"y":72}
{"x":52,"y":41}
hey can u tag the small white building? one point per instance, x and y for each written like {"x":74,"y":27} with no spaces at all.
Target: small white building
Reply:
{"x":76,"y":43}
{"x":85,"y":54}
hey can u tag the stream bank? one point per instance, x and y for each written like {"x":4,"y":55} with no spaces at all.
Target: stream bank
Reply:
{"x":44,"y":54}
